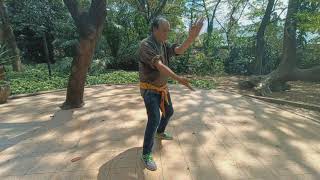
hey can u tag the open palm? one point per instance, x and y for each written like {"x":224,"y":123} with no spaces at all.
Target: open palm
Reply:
{"x":196,"y":28}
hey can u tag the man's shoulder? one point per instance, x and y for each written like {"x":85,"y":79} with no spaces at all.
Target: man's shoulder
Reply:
{"x":146,"y":43}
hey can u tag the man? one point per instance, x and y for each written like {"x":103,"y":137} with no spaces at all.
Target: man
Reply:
{"x":154,"y":54}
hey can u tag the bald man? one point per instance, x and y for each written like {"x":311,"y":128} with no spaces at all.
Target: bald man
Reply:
{"x":154,"y":54}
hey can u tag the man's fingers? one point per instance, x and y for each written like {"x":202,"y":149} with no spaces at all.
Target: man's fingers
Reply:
{"x":200,"y":22}
{"x":187,"y":84}
{"x":197,"y":20}
{"x":202,"y":19}
{"x":197,"y":25}
{"x":190,"y":87}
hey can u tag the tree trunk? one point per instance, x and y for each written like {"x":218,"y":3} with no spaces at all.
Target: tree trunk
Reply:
{"x":9,"y":38}
{"x":210,"y":24}
{"x":90,"y":25}
{"x":2,"y":72}
{"x":260,"y":41}
{"x":46,"y":53}
{"x":148,"y":13}
{"x":287,"y":69}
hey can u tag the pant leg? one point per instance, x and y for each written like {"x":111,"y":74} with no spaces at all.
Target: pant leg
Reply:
{"x":165,"y":119}
{"x":152,"y":103}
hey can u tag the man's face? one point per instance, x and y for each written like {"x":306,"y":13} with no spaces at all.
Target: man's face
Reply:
{"x":162,"y":32}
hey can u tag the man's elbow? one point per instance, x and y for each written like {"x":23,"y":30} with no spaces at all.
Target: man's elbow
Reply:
{"x":178,"y":51}
{"x":159,"y":65}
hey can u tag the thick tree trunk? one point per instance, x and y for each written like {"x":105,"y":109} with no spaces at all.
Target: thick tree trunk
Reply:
{"x":260,"y":41}
{"x":287,"y":69}
{"x":9,"y":38}
{"x":90,"y":25}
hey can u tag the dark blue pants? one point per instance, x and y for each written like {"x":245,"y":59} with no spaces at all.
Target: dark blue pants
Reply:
{"x":155,"y":123}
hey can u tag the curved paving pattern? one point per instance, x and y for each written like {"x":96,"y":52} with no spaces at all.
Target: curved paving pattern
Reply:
{"x":218,"y":135}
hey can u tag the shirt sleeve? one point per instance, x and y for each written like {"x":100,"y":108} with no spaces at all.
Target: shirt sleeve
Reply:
{"x":171,"y":49}
{"x":149,"y":55}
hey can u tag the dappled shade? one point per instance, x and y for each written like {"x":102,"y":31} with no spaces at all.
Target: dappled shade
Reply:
{"x":218,"y":135}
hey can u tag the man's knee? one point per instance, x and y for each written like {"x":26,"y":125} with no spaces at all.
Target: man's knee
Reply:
{"x":169,"y":111}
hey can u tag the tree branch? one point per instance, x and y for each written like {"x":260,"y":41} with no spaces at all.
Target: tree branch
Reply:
{"x":276,"y":19}
{"x":206,"y":11}
{"x":73,"y":8}
{"x":141,"y":5}
{"x":242,"y":11}
{"x":161,"y":5}
{"x":221,"y":25}
{"x":214,"y":11}
{"x":3,"y":13}
{"x":97,"y":12}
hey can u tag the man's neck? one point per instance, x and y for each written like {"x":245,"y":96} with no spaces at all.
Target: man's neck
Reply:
{"x":156,"y":39}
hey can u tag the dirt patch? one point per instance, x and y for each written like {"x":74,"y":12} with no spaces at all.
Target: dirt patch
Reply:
{"x":304,"y":92}
{"x":301,"y":92}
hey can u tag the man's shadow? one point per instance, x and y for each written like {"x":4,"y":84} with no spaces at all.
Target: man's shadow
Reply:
{"x":126,"y":165}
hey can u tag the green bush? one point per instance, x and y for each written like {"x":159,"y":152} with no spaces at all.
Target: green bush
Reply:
{"x":180,"y":64}
{"x":198,"y":64}
{"x":309,"y":57}
{"x":63,"y":66}
{"x":35,"y":78}
{"x":203,"y":84}
{"x":98,"y":66}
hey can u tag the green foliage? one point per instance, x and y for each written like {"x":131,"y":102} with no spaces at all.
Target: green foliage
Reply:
{"x":203,"y":84}
{"x":180,"y":64}
{"x":309,"y":16}
{"x":126,"y":25}
{"x":35,"y":78}
{"x":309,"y":57}
{"x":241,"y":55}
{"x":2,"y":82}
{"x":113,"y":33}
{"x":199,"y":64}
{"x":38,"y":16}
{"x":116,"y":77}
{"x":274,"y":41}
{"x":63,"y":66}
{"x":32,"y":19}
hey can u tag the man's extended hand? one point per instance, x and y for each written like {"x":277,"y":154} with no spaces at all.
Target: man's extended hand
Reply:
{"x":193,"y":33}
{"x":185,"y":82}
{"x":196,"y":28}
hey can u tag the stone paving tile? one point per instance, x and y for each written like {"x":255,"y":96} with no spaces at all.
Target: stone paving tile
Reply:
{"x":87,"y":161}
{"x":176,"y":171}
{"x":48,"y":163}
{"x":216,"y":136}
{"x":17,"y":166}
{"x":78,"y":175}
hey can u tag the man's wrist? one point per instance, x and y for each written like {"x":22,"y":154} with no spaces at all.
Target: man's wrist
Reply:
{"x":177,"y":78}
{"x":189,"y":40}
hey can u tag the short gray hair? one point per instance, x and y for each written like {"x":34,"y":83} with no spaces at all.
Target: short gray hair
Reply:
{"x":156,"y":22}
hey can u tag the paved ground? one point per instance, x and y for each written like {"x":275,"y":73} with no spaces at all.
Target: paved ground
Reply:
{"x":218,"y":135}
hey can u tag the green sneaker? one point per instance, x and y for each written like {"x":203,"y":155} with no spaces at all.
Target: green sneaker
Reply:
{"x":164,"y":136}
{"x":149,"y":162}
